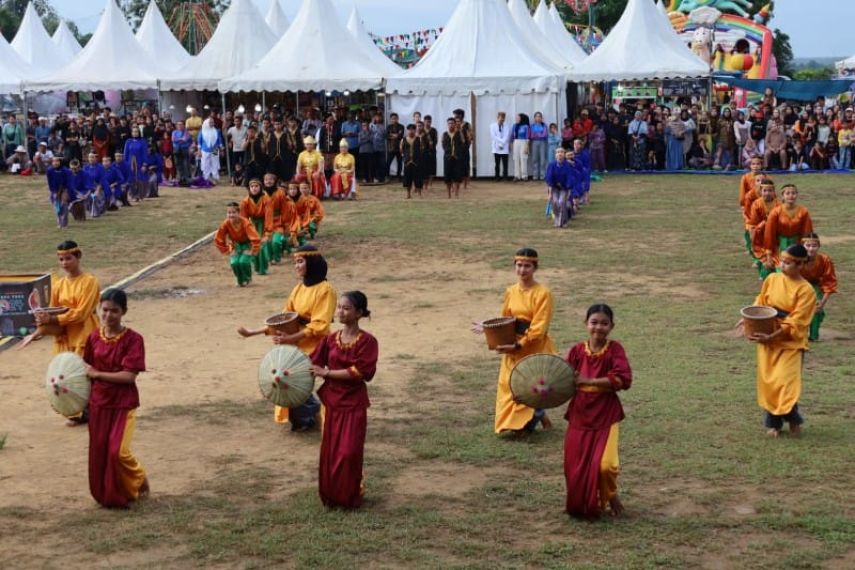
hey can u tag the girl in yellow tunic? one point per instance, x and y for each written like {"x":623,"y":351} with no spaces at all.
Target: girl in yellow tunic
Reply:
{"x":314,"y":300}
{"x":531,"y":304}
{"x":310,"y":167}
{"x":343,"y":182}
{"x":780,"y":354}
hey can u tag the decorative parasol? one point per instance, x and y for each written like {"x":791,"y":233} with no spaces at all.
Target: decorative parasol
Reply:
{"x":542,"y":381}
{"x":285,"y":377}
{"x":67,"y":385}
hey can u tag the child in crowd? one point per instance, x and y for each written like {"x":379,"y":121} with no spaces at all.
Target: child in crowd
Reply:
{"x":553,"y":139}
{"x":237,"y":237}
{"x":591,"y":463}
{"x":238,"y":175}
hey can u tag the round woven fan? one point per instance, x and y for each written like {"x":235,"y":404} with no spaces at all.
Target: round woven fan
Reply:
{"x":285,"y":377}
{"x":67,"y":385}
{"x":542,"y":381}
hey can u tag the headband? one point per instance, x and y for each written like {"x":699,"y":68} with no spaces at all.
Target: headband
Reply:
{"x":790,"y":257}
{"x":525,"y":258}
{"x":305,"y":253}
{"x":72,"y":251}
{"x":811,"y":240}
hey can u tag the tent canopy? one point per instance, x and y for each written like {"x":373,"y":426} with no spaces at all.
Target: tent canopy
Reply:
{"x":480,"y":51}
{"x":240,"y":41}
{"x":35,"y":47}
{"x":157,"y":39}
{"x":65,"y":40}
{"x":316,"y":53}
{"x":557,"y":34}
{"x":113,"y":59}
{"x":12,"y":69}
{"x":641,"y":46}
{"x":355,"y":27}
{"x":276,"y":19}
{"x":532,"y":34}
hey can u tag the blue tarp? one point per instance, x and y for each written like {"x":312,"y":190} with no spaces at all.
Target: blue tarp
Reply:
{"x":791,"y":90}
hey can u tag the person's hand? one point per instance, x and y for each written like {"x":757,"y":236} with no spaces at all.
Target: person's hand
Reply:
{"x":762,"y":338}
{"x":477,"y":328}
{"x":92,"y":373}
{"x":244,"y":332}
{"x":285,"y":339}
{"x":577,"y":379}
{"x":506,"y":348}
{"x":42,"y":318}
{"x":321,"y":371}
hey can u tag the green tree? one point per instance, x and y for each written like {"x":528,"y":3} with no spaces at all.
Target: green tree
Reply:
{"x":783,"y":53}
{"x":135,"y":9}
{"x":8,"y":24}
{"x":814,"y":73}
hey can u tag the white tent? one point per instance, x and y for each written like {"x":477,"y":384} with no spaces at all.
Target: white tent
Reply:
{"x":157,"y":39}
{"x":532,"y":34}
{"x":241,"y":40}
{"x":355,"y":27}
{"x":113,"y":59}
{"x":65,"y":40}
{"x":276,"y":19}
{"x":557,"y":34}
{"x":35,"y":47}
{"x":12,"y":69}
{"x":846,"y":64}
{"x":641,"y":46}
{"x":481,"y":64}
{"x":316,"y":53}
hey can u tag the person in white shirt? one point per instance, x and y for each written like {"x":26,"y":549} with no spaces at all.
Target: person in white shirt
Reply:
{"x":500,"y":135}
{"x":43,"y":158}
{"x":235,"y":137}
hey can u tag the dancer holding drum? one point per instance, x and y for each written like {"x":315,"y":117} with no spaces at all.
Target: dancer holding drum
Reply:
{"x":781,"y":352}
{"x":314,"y":301}
{"x":115,"y":356}
{"x":591,"y":464}
{"x":346,"y":360}
{"x":531,"y":304}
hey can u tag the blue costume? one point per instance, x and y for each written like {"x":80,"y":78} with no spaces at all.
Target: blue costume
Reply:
{"x":155,"y":179}
{"x":98,"y":188}
{"x":136,"y":151}
{"x":583,"y":167}
{"x":562,"y":179}
{"x":113,"y":181}
{"x":57,"y":180}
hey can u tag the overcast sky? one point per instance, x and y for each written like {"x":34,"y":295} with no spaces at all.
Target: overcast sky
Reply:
{"x":818,"y":28}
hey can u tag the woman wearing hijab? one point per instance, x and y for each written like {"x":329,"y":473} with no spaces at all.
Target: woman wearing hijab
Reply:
{"x":210,"y":142}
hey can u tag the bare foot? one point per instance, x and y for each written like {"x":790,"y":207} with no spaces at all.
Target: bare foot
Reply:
{"x":145,"y":489}
{"x":795,"y":430}
{"x":772,"y":432}
{"x":616,"y":506}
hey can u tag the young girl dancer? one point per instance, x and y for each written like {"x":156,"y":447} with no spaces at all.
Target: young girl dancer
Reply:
{"x":256,"y":207}
{"x":819,"y":272}
{"x":115,"y":355}
{"x":591,"y":464}
{"x":277,"y":202}
{"x":756,"y":225}
{"x":346,"y":360}
{"x":237,"y":237}
{"x":786,"y":225}
{"x":313,"y":212}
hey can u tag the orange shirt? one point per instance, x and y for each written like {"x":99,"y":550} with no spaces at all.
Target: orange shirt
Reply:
{"x":314,"y":209}
{"x":301,"y":219}
{"x":756,"y":223}
{"x":243,"y":232}
{"x":820,"y":271}
{"x":783,"y":222}
{"x":747,"y":191}
{"x":277,"y":199}
{"x":263,"y":209}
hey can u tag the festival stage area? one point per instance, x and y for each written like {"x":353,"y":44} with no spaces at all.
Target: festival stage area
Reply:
{"x":702,"y":484}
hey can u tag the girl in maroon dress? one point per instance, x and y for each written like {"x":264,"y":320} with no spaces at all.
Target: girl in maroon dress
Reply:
{"x":115,"y":355}
{"x":591,"y":463}
{"x":346,"y":360}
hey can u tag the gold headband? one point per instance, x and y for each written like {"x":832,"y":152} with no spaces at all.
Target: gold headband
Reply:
{"x":305,"y":253}
{"x":72,"y":251}
{"x":790,"y":257}
{"x":525,"y":258}
{"x":810,"y":240}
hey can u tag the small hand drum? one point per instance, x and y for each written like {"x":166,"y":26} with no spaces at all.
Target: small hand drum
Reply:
{"x":67,"y":385}
{"x":285,"y":377}
{"x":542,"y":381}
{"x":288,"y":323}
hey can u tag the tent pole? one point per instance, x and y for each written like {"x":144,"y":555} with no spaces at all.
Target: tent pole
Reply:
{"x":297,"y":104}
{"x":228,"y":158}
{"x":263,"y":102}
{"x":474,"y":114}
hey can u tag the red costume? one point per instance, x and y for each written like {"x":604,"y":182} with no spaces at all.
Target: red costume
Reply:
{"x":345,"y":417}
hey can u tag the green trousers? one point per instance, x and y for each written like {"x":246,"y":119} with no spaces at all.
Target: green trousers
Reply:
{"x":313,"y":229}
{"x":261,"y":261}
{"x":278,"y":246}
{"x":241,"y":262}
{"x":818,"y":317}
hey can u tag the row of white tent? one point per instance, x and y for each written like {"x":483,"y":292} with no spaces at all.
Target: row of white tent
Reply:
{"x":488,"y":46}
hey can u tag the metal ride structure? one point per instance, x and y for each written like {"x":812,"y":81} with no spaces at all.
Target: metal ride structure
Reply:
{"x":193,"y":23}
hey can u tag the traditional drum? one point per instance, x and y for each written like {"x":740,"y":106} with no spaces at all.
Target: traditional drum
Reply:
{"x":288,"y":323}
{"x":500,"y":331}
{"x":67,"y":385}
{"x":542,"y":381}
{"x":285,"y":377}
{"x":759,"y":319}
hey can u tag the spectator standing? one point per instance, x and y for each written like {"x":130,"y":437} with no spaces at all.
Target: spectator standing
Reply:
{"x":500,"y":136}
{"x":539,"y":143}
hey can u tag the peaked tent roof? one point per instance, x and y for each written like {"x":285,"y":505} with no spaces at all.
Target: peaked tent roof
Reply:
{"x":157,"y":39}
{"x":35,"y":47}
{"x":532,"y":34}
{"x":66,"y":41}
{"x":12,"y":68}
{"x":337,"y":60}
{"x":276,"y":19}
{"x":104,"y":62}
{"x":641,"y":46}
{"x":241,"y":39}
{"x":557,"y":34}
{"x":355,"y":27}
{"x":480,"y":51}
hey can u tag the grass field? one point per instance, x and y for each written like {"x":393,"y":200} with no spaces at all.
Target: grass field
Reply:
{"x":703,"y":486}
